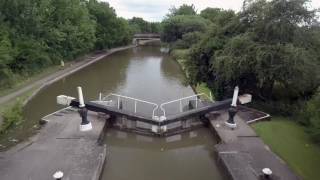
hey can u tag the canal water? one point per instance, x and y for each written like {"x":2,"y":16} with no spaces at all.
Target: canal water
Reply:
{"x":148,"y":74}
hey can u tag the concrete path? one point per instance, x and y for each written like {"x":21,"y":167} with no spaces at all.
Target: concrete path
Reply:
{"x":59,"y":146}
{"x":243,"y":153}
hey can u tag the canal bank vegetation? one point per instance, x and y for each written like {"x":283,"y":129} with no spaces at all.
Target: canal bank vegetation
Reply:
{"x":270,"y":49}
{"x":12,"y":116}
{"x":180,"y":55}
{"x":37,"y":34}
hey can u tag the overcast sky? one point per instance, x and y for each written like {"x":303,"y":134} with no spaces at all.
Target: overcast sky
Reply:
{"x":155,"y":10}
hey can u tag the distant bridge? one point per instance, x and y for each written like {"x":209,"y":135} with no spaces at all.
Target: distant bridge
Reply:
{"x":145,"y":38}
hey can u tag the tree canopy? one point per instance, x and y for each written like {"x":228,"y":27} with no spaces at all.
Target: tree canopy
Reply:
{"x":182,"y":10}
{"x":269,"y":49}
{"x":35,"y":34}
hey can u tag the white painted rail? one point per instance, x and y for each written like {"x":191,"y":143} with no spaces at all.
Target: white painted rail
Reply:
{"x":135,"y":100}
{"x":195,"y":97}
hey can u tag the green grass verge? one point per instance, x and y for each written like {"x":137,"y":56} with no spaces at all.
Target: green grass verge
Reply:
{"x":290,"y":141}
{"x":22,"y":81}
{"x":12,"y":116}
{"x":203,"y":88}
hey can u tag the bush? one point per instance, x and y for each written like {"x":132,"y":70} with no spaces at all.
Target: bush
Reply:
{"x":6,"y":78}
{"x":187,"y":40}
{"x":311,"y":117}
{"x":175,"y":27}
{"x":12,"y":117}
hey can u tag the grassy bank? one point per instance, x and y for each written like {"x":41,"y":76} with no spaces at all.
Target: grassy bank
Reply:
{"x":24,"y":81}
{"x":290,"y":141}
{"x":12,"y":116}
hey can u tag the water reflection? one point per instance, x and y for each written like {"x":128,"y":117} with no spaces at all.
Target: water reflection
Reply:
{"x":186,"y":156}
{"x":145,"y":73}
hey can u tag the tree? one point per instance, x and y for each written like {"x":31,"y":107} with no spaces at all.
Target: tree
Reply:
{"x":311,"y":116}
{"x":218,"y":16}
{"x":110,"y":30}
{"x":139,"y":25}
{"x":175,"y":27}
{"x":182,"y":10}
{"x":35,"y":34}
{"x":269,"y":48}
{"x":6,"y":56}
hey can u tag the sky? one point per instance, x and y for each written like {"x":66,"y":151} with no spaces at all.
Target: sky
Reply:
{"x":155,"y":10}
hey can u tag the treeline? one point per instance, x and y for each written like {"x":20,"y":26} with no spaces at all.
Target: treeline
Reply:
{"x":139,"y":25}
{"x":270,"y":49}
{"x":35,"y":34}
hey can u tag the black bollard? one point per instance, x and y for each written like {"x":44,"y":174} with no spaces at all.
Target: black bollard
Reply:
{"x":230,"y":122}
{"x":190,"y":105}
{"x":232,"y":112}
{"x":120,"y":105}
{"x":85,"y":124}
{"x":84,"y":115}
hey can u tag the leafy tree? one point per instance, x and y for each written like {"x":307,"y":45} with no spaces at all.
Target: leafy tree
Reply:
{"x":110,"y":30}
{"x":311,"y":116}
{"x":175,"y":27}
{"x":6,"y":56}
{"x":269,"y":48}
{"x":35,"y":34}
{"x":188,"y":40}
{"x":182,"y":10}
{"x":139,"y":25}
{"x":218,"y":16}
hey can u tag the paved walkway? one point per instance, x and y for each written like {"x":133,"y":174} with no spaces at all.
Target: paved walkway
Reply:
{"x":243,"y":153}
{"x":59,"y":146}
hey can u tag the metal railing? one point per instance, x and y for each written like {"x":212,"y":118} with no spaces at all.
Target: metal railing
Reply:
{"x":135,"y":101}
{"x":162,"y":114}
{"x":196,"y":97}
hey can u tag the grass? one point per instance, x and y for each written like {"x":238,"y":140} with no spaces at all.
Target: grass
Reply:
{"x":12,"y":116}
{"x":180,"y":55}
{"x":203,"y":88}
{"x":21,"y":82}
{"x":290,"y":141}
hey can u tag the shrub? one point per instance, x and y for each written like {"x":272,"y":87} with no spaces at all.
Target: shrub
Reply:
{"x":12,"y":116}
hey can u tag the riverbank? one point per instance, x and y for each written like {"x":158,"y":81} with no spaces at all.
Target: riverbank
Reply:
{"x":62,"y":72}
{"x":295,"y":145}
{"x":180,"y":55}
{"x":294,"y":140}
{"x":30,"y":89}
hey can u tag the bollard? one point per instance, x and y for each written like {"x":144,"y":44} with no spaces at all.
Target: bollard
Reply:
{"x":233,"y":109}
{"x":235,"y":96}
{"x":58,"y":175}
{"x":80,"y":95}
{"x":120,"y":105}
{"x":267,"y":173}
{"x":230,"y":122}
{"x":83,"y":111}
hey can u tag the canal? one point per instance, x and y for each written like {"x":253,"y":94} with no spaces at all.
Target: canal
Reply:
{"x":148,"y":74}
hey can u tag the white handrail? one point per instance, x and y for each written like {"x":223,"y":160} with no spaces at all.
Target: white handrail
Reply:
{"x":188,"y":97}
{"x":135,"y":102}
